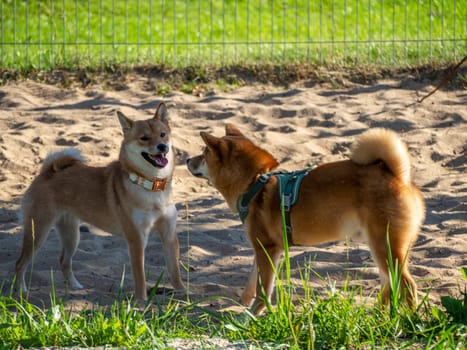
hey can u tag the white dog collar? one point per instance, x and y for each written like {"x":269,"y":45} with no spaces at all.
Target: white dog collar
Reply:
{"x":150,"y":185}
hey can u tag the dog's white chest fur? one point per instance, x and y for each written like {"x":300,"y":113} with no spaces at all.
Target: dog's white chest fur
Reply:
{"x":151,"y":206}
{"x":144,"y":219}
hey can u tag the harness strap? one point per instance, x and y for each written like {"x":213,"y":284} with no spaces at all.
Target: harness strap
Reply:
{"x":244,"y":200}
{"x":288,"y":188}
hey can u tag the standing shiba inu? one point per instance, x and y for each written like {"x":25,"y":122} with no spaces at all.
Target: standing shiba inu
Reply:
{"x":130,"y":197}
{"x":367,"y":197}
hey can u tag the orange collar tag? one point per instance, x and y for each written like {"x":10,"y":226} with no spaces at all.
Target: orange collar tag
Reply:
{"x":159,"y":185}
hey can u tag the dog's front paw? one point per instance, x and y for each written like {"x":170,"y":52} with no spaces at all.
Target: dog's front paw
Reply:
{"x":247,"y":298}
{"x":74,"y":284}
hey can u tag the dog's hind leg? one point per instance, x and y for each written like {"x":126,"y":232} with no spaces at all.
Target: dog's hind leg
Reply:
{"x":36,"y":229}
{"x":68,"y":228}
{"x":166,"y":228}
{"x":400,"y":243}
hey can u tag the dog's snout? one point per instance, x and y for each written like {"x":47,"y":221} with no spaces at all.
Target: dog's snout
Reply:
{"x":162,"y":147}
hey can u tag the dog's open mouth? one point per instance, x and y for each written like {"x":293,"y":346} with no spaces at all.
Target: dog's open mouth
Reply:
{"x":158,"y":160}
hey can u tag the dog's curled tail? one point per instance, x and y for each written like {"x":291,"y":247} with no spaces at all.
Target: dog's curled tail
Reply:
{"x":60,"y":160}
{"x":382,"y":144}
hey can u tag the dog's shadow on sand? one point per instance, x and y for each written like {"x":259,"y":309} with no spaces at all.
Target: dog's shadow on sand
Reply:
{"x":442,"y":209}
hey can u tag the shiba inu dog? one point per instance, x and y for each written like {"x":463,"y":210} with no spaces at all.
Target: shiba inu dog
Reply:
{"x":370,"y":197}
{"x":130,"y":197}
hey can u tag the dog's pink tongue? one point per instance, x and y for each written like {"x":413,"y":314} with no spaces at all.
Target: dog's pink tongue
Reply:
{"x":160,"y":160}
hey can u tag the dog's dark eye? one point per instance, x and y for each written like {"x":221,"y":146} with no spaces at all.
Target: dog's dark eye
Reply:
{"x":162,"y":134}
{"x":144,"y":138}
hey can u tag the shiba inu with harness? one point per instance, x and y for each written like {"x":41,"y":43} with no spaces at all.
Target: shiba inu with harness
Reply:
{"x":369,"y":197}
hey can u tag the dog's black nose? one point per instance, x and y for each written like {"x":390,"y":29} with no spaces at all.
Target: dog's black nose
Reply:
{"x":162,"y":147}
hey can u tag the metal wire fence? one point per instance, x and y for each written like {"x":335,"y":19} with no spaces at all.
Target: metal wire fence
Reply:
{"x":70,"y":33}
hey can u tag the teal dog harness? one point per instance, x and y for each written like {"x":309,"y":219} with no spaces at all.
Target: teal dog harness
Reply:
{"x":288,"y":188}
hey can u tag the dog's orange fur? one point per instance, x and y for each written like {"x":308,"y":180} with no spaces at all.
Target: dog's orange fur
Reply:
{"x":364,"y":198}
{"x":67,"y":191}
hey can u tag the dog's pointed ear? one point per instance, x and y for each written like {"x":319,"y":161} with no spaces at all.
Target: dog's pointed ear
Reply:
{"x":210,"y":141}
{"x":125,"y":122}
{"x":232,"y":130}
{"x":270,"y":164}
{"x":161,"y":113}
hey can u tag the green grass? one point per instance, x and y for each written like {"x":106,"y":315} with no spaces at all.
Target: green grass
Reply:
{"x":301,"y":318}
{"x":58,"y":33}
{"x":305,"y":320}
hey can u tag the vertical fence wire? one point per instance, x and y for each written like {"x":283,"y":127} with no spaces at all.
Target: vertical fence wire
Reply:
{"x":39,"y":31}
{"x":2,"y":49}
{"x":333,"y":29}
{"x":260,"y":39}
{"x":14,"y":34}
{"x":321,"y":32}
{"x":27,"y":31}
{"x":393,"y":38}
{"x":345,"y":29}
{"x":431,"y":28}
{"x":223,"y":32}
{"x":418,"y":30}
{"x":236,"y":30}
{"x":381,"y":23}
{"x":442,"y":28}
{"x":247,"y":28}
{"x":211,"y":33}
{"x":406,"y":13}
{"x":101,"y":53}
{"x":52,"y":37}
{"x":162,"y":46}
{"x":308,"y":30}
{"x":151,"y":57}
{"x":113,"y":31}
{"x":296,"y":30}
{"x":370,"y":43}
{"x":89,"y":30}
{"x":138,"y":24}
{"x":356,"y":33}
{"x":198,"y":34}
{"x":284,"y":32}
{"x":186,"y":31}
{"x":455,"y":27}
{"x":271,"y":14}
{"x":126,"y":42}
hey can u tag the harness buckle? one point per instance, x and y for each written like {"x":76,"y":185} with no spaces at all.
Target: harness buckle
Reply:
{"x":264,"y":178}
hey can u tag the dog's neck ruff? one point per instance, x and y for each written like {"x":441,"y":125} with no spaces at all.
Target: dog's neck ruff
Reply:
{"x":288,"y":188}
{"x":154,"y":185}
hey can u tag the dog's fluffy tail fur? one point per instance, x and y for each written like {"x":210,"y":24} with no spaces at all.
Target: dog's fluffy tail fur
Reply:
{"x":385,"y":145}
{"x":60,"y":160}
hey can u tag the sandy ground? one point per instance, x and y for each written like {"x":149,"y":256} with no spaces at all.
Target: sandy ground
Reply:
{"x":299,"y":125}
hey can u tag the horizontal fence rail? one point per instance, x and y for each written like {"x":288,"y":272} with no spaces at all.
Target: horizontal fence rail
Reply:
{"x":84,"y":33}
